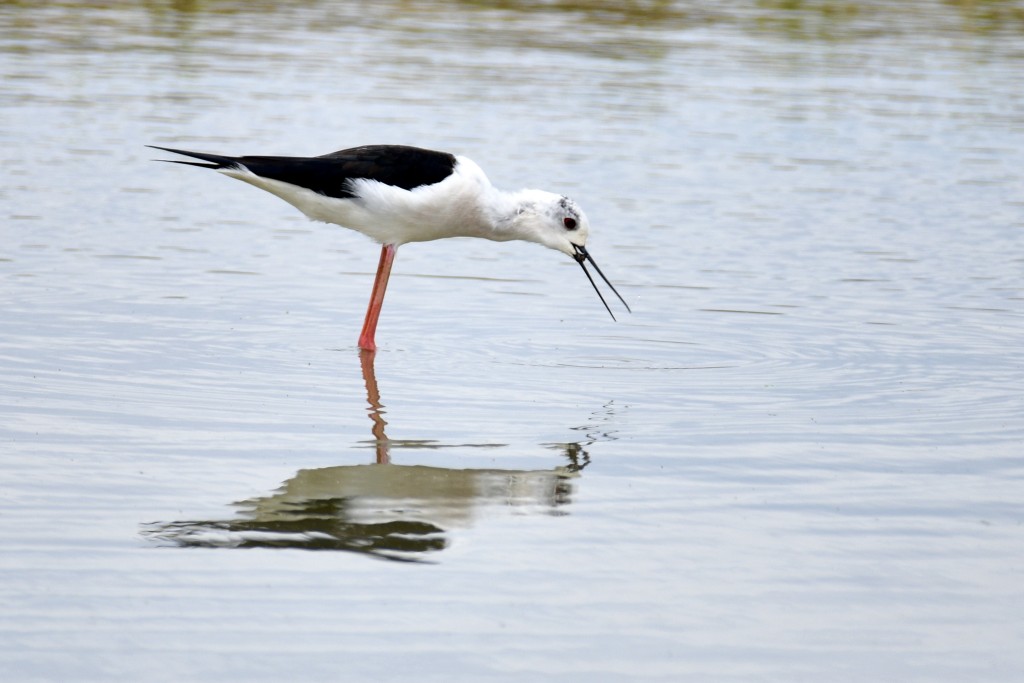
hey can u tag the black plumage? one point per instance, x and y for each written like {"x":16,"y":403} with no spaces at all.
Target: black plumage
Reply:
{"x":330,"y":174}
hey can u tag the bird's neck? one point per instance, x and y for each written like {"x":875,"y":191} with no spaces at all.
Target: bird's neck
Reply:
{"x":513,"y":215}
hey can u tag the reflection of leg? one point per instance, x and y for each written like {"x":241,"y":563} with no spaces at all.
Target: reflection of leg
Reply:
{"x":380,"y":285}
{"x":376,"y":409}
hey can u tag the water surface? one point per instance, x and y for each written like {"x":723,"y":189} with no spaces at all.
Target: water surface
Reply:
{"x":798,"y":459}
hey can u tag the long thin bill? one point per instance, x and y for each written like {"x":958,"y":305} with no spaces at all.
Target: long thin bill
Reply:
{"x":583,"y":255}
{"x":590,"y":258}
{"x":594,"y":285}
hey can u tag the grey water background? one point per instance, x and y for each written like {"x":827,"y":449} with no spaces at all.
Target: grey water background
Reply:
{"x":799,"y":459}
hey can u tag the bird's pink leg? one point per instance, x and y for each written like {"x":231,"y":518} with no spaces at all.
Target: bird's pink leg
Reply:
{"x":380,"y":285}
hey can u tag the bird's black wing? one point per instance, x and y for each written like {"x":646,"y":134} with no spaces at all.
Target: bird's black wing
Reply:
{"x":397,"y":165}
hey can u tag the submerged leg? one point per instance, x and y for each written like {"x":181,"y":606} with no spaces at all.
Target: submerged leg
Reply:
{"x":380,"y":285}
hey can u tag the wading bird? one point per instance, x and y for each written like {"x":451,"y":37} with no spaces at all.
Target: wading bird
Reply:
{"x":396,"y":194}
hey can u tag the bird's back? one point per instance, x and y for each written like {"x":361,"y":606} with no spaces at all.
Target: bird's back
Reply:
{"x":332,"y":174}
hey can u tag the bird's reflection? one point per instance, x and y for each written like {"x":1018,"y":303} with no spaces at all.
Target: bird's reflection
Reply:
{"x":376,"y":409}
{"x":382,"y":509}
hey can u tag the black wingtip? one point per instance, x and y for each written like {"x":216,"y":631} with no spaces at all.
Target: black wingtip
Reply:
{"x":214,"y":161}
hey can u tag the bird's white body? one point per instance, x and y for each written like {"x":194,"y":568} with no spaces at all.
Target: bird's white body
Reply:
{"x":464,"y":204}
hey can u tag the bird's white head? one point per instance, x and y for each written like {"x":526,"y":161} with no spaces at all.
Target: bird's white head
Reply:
{"x":550,"y":219}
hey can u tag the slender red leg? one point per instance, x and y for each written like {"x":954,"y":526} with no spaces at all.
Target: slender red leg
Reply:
{"x":380,"y":285}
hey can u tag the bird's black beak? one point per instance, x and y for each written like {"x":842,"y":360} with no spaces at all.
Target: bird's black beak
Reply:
{"x":582,"y":256}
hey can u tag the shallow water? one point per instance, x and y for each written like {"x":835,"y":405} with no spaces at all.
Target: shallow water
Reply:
{"x":798,"y":459}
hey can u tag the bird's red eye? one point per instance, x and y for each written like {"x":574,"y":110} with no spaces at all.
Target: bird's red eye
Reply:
{"x":569,"y":222}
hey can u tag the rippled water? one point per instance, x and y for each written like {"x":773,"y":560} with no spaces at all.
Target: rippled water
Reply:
{"x":798,"y":459}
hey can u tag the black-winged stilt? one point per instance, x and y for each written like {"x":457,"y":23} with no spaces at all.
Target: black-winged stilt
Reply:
{"x":397,"y":194}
